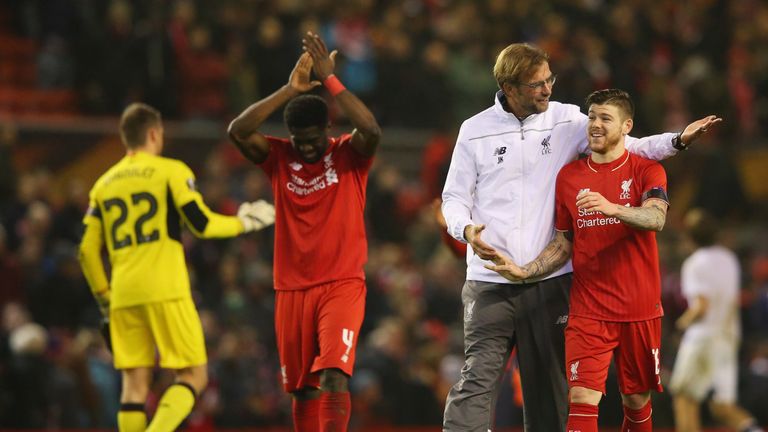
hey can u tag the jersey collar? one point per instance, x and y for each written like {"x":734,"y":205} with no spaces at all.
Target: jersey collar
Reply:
{"x":608,"y":166}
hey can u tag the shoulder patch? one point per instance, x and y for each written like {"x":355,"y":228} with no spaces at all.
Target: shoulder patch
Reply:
{"x":93,"y":211}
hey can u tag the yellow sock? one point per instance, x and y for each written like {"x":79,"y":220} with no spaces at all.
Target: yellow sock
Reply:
{"x":175,"y":405}
{"x":131,"y":418}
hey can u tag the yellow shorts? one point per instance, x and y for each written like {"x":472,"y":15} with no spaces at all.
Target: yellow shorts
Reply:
{"x":172,"y":329}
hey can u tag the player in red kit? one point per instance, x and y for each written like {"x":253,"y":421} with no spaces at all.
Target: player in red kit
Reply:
{"x":608,"y":208}
{"x":318,"y":183}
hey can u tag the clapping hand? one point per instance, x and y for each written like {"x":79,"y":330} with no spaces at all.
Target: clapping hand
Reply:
{"x":299,"y":79}
{"x":323,"y":63}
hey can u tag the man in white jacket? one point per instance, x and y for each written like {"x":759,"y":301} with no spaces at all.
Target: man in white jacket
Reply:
{"x":501,"y":183}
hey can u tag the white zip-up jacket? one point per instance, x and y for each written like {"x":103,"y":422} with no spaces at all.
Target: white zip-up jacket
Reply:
{"x":503,"y":174}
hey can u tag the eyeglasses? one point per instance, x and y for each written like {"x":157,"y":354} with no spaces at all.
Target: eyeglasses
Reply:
{"x":538,"y":85}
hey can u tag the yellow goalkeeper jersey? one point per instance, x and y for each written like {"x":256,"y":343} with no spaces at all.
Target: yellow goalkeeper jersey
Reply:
{"x":137,"y":208}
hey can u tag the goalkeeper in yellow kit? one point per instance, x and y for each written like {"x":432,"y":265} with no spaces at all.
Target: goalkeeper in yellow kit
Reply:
{"x":137,"y":209}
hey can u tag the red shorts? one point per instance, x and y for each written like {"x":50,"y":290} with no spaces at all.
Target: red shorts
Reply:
{"x":589,"y":345}
{"x":317,"y":329}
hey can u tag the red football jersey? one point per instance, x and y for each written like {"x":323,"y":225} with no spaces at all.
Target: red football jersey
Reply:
{"x":615,"y":267}
{"x":319,"y":226}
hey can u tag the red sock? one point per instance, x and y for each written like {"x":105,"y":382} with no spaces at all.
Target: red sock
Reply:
{"x":637,"y":420}
{"x":335,"y":409}
{"x":582,"y":417}
{"x":306,"y":415}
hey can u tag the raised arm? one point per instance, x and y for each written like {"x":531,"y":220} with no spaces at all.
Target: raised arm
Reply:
{"x":554,"y":256}
{"x":243,"y":130}
{"x":662,"y":146}
{"x":367,"y":133}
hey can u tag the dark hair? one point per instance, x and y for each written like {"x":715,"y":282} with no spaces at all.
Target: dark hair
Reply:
{"x":135,"y":121}
{"x":306,"y":111}
{"x":701,"y":227}
{"x":615,"y":97}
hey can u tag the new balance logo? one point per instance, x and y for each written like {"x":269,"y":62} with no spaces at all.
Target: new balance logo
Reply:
{"x":562,"y":319}
{"x":499,"y":152}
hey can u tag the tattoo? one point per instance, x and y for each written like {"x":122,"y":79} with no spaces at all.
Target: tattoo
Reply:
{"x":651,"y":216}
{"x":557,"y":252}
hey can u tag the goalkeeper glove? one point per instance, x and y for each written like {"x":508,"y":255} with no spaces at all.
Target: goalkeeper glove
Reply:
{"x":102,"y":299}
{"x":104,"y":329}
{"x":256,"y":215}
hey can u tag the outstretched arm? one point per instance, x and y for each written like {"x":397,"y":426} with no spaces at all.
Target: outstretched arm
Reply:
{"x":658,"y":147}
{"x":243,"y":130}
{"x":554,"y":256}
{"x":698,"y":128}
{"x":367,"y":133}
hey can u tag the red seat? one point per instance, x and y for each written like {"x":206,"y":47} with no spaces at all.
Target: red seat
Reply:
{"x":18,"y":73}
{"x":19,"y":101}
{"x":16,"y":47}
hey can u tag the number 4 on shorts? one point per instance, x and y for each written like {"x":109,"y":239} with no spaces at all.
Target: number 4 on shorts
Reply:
{"x":348,"y":337}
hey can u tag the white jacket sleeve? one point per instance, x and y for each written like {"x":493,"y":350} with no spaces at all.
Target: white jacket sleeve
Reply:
{"x":654,"y":147}
{"x":580,"y":132}
{"x":459,"y":189}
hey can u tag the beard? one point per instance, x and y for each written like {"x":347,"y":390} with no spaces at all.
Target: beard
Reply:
{"x":604,"y":144}
{"x":536,"y":106}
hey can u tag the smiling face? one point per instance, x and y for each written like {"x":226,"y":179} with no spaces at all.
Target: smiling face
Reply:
{"x":310,"y":142}
{"x":606,"y":127}
{"x":530,"y":96}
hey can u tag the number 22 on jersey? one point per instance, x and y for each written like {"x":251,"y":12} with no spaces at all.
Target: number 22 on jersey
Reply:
{"x":142,"y":208}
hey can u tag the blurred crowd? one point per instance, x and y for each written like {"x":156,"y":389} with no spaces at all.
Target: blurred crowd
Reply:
{"x":420,"y":64}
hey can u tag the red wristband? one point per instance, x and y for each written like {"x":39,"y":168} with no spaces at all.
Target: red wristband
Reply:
{"x":333,"y":85}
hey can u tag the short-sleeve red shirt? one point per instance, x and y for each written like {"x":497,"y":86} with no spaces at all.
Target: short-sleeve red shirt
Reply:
{"x":615,"y":267}
{"x":319,"y":225}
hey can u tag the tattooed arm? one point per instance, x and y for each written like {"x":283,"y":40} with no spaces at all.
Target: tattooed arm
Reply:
{"x":651,"y":216}
{"x":557,"y":252}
